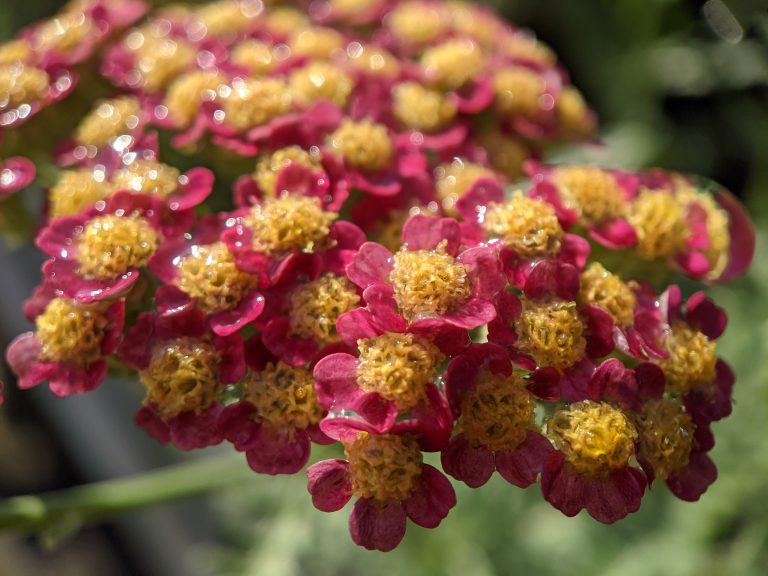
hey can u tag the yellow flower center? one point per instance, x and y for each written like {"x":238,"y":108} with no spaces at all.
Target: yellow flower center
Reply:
{"x":611,"y":293}
{"x":284,"y":396}
{"x":108,"y":120}
{"x":593,"y":192}
{"x":523,"y":46}
{"x":182,"y":376}
{"x":321,"y":81}
{"x":372,"y":60}
{"x":286,"y":21}
{"x":659,"y":221}
{"x":318,"y":43}
{"x":717,"y":228}
{"x":317,"y":305}
{"x":398,"y":367}
{"x":595,"y":437}
{"x":519,"y":92}
{"x":552,"y":332}
{"x":21,"y":84}
{"x":452,"y":64}
{"x":70,"y":332}
{"x":289,"y":223}
{"x":692,"y":359}
{"x":415,"y":23}
{"x":63,"y":32}
{"x":428,"y":282}
{"x":76,"y":190}
{"x":527,"y":225}
{"x":14,"y":52}
{"x":383,"y":467}
{"x":209,"y":275}
{"x":270,"y":166}
{"x":365,"y":144}
{"x":666,"y":436}
{"x":147,"y":177}
{"x":252,"y":103}
{"x":453,"y":180}
{"x":467,"y":20}
{"x":498,"y":413}
{"x":110,"y":245}
{"x":228,"y":16}
{"x":573,"y":113}
{"x":505,"y":154}
{"x":253,"y":55}
{"x":187,"y":91}
{"x":421,"y":108}
{"x":159,"y":59}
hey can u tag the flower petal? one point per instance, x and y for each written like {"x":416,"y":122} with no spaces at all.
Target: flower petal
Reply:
{"x":272,"y":452}
{"x":522,"y":465}
{"x":377,"y":525}
{"x":471,"y":465}
{"x":329,"y":485}
{"x":372,"y":265}
{"x":432,"y":500}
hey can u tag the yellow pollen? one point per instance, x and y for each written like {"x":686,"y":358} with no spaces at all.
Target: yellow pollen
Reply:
{"x":253,"y":55}
{"x":505,"y":154}
{"x":76,"y":190}
{"x":660,"y":224}
{"x":593,"y":192}
{"x":452,"y":64}
{"x":525,"y":47}
{"x":666,"y":436}
{"x":284,"y":396}
{"x":398,"y":367}
{"x":108,"y":120}
{"x":428,"y":282}
{"x":519,"y":92}
{"x":182,"y":376}
{"x":415,"y":23}
{"x":321,"y":81}
{"x":253,"y":103}
{"x":453,"y":180}
{"x":110,"y":245}
{"x":527,"y":225}
{"x":717,"y":228}
{"x":270,"y":166}
{"x":552,"y":332}
{"x":595,"y":437}
{"x":692,"y":359}
{"x":609,"y":292}
{"x":372,"y":60}
{"x":147,"y":177}
{"x":352,"y":7}
{"x":385,"y":467}
{"x":70,"y":332}
{"x":319,"y":43}
{"x":64,"y":32}
{"x":466,"y":20}
{"x":286,"y":21}
{"x":14,"y":52}
{"x":21,"y":84}
{"x":316,"y":306}
{"x":498,"y":413}
{"x":421,"y":108}
{"x":227,"y":16}
{"x":289,"y":223}
{"x":160,"y":60}
{"x":365,"y":145}
{"x":210,"y":276}
{"x":186,"y":93}
{"x":573,"y":113}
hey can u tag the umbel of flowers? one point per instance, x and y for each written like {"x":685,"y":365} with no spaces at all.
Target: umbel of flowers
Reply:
{"x":364,"y":266}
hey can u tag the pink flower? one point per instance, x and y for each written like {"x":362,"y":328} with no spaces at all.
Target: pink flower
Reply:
{"x":59,"y":83}
{"x":16,"y":173}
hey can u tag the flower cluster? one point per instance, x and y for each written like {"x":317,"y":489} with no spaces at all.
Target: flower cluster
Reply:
{"x":365,"y":272}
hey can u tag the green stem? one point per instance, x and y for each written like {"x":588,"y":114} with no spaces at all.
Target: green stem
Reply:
{"x":103,"y":500}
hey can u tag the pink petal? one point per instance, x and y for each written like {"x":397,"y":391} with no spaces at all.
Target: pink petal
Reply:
{"x":236,"y":424}
{"x":426,"y":232}
{"x":472,"y":465}
{"x":169,"y":300}
{"x":615,"y":234}
{"x":148,"y":420}
{"x":335,"y":375}
{"x":377,"y":525}
{"x":612,"y":498}
{"x":692,"y":481}
{"x":273,"y":452}
{"x":15,"y":173}
{"x":22,"y":356}
{"x":566,"y":491}
{"x":196,"y":186}
{"x":357,"y":324}
{"x":575,"y":250}
{"x":380,"y":299}
{"x":473,"y":203}
{"x":706,"y":316}
{"x":522,"y":465}
{"x":228,"y":322}
{"x":68,"y":380}
{"x":552,"y":277}
{"x":483,"y":265}
{"x":372,"y":265}
{"x":742,"y":232}
{"x":544,"y":383}
{"x":472,"y":314}
{"x":600,"y":331}
{"x":329,"y":485}
{"x":291,"y":350}
{"x":432,"y":500}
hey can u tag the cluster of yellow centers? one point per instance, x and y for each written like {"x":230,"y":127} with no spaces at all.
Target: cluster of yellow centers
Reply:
{"x":185,"y":94}
{"x":594,"y":437}
{"x":227,"y":16}
{"x":209,"y":274}
{"x":76,"y":190}
{"x":718,"y":232}
{"x":453,"y":180}
{"x":64,"y":32}
{"x":315,"y":307}
{"x":526,"y":225}
{"x":398,"y":367}
{"x":498,"y":412}
{"x":71,"y":332}
{"x":573,"y":113}
{"x":20,"y":84}
{"x":659,"y":221}
{"x":522,"y":46}
{"x":591,"y":191}
{"x":552,"y":332}
{"x":256,"y":56}
{"x":289,"y":223}
{"x":14,"y":51}
{"x":452,"y":64}
{"x":665,"y":432}
{"x":520,"y":92}
{"x":270,"y":166}
{"x":108,"y":120}
{"x":383,"y":467}
{"x":421,"y":108}
{"x":159,"y":59}
{"x":416,"y":23}
{"x":284,"y":396}
{"x":608,"y":291}
{"x":692,"y":359}
{"x":110,"y":245}
{"x":147,"y":177}
{"x":320,"y":81}
{"x":364,"y":144}
{"x":182,"y":376}
{"x":372,"y":60}
{"x":254,"y":102}
{"x":317,"y":43}
{"x":284,"y":20}
{"x":428,"y":282}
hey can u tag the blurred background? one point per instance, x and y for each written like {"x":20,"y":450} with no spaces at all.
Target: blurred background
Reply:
{"x":677,"y":84}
